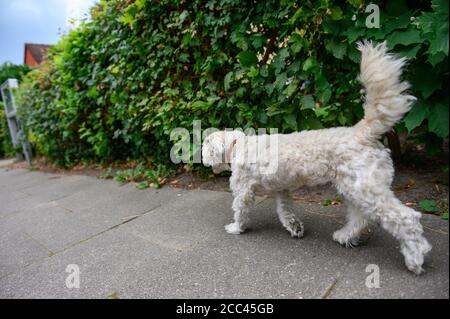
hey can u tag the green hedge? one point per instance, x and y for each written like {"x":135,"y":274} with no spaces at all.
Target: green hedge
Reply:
{"x":6,"y":148}
{"x":115,"y":87}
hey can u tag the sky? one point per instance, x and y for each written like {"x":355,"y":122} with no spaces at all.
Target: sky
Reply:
{"x":36,"y":21}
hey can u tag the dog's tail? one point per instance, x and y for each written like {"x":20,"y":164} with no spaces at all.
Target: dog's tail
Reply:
{"x":385,"y":100}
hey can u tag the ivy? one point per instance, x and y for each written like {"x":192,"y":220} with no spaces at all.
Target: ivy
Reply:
{"x":115,"y":87}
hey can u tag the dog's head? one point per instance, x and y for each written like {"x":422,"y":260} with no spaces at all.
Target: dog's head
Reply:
{"x":217,"y":148}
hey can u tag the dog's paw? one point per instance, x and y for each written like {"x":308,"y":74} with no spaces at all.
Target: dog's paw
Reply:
{"x":417,"y":269}
{"x":414,"y":252}
{"x":343,"y":238}
{"x":234,"y":229}
{"x":296,"y":228}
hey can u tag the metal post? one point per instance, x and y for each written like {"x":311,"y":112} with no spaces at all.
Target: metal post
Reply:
{"x":12,"y":119}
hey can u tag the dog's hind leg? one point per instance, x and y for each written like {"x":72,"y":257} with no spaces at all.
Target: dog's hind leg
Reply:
{"x":242,"y":204}
{"x":380,"y":205}
{"x":287,"y":218}
{"x":404,"y":224}
{"x":356,"y":223}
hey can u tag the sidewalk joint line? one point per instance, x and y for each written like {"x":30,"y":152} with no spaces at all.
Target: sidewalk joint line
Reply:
{"x":330,"y":289}
{"x":50,"y":252}
{"x":104,"y":231}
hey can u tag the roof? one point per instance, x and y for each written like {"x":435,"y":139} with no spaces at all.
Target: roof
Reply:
{"x":38,"y":51}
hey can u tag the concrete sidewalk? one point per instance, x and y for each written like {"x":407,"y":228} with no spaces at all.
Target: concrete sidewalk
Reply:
{"x":171,"y":243}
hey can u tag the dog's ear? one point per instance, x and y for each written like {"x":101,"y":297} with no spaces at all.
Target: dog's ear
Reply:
{"x":218,"y":149}
{"x":213,"y":149}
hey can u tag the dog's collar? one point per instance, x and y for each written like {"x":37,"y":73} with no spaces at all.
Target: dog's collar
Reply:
{"x":229,"y":152}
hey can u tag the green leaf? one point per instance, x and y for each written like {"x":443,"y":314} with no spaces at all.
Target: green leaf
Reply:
{"x":150,"y":174}
{"x":429,"y":206}
{"x":120,"y":179}
{"x":445,"y":216}
{"x":156,"y":185}
{"x":278,"y":62}
{"x":247,"y":58}
{"x":436,"y":58}
{"x":439,"y":43}
{"x":291,"y":120}
{"x":241,"y":91}
{"x":227,"y":80}
{"x":314,"y":124}
{"x":307,"y":102}
{"x":426,"y":80}
{"x":143,"y":185}
{"x":269,"y":88}
{"x":127,"y":18}
{"x":184,"y":57}
{"x":297,"y":43}
{"x":401,"y":22}
{"x":324,"y":95}
{"x":322,"y":111}
{"x":92,"y":92}
{"x":292,"y":88}
{"x":440,"y":7}
{"x":200,"y":105}
{"x":410,"y":51}
{"x":336,"y":13}
{"x":354,"y":54}
{"x":327,"y":202}
{"x":262,"y":117}
{"x":342,"y":119}
{"x":323,"y":89}
{"x":310,"y":63}
{"x":264,"y":71}
{"x":212,"y":99}
{"x":338,"y":49}
{"x":253,"y":72}
{"x":280,"y":81}
{"x":438,"y":120}
{"x":416,"y":116}
{"x":407,"y":37}
{"x":396,"y":7}
{"x":183,"y":16}
{"x":353,"y":33}
{"x":355,"y":3}
{"x":434,"y":27}
{"x":140,"y":3}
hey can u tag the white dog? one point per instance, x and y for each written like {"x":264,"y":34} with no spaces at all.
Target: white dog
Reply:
{"x":350,"y":158}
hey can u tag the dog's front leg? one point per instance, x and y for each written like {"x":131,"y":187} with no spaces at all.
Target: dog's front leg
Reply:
{"x":356,"y":223}
{"x":243,"y":202}
{"x":286,"y":215}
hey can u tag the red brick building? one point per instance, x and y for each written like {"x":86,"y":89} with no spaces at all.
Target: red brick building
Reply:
{"x":35,"y":54}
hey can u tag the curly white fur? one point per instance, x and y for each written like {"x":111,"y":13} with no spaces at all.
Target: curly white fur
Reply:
{"x":350,"y":158}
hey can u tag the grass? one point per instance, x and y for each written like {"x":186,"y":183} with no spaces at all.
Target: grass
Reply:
{"x":143,"y":176}
{"x":435,"y":207}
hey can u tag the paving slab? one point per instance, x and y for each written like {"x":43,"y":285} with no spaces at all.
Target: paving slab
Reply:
{"x":383,"y":252}
{"x":30,"y":189}
{"x":18,"y":250}
{"x":180,"y":251}
{"x":171,"y":243}
{"x":264,"y":262}
{"x":51,"y":226}
{"x":106,"y":204}
{"x":106,"y":263}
